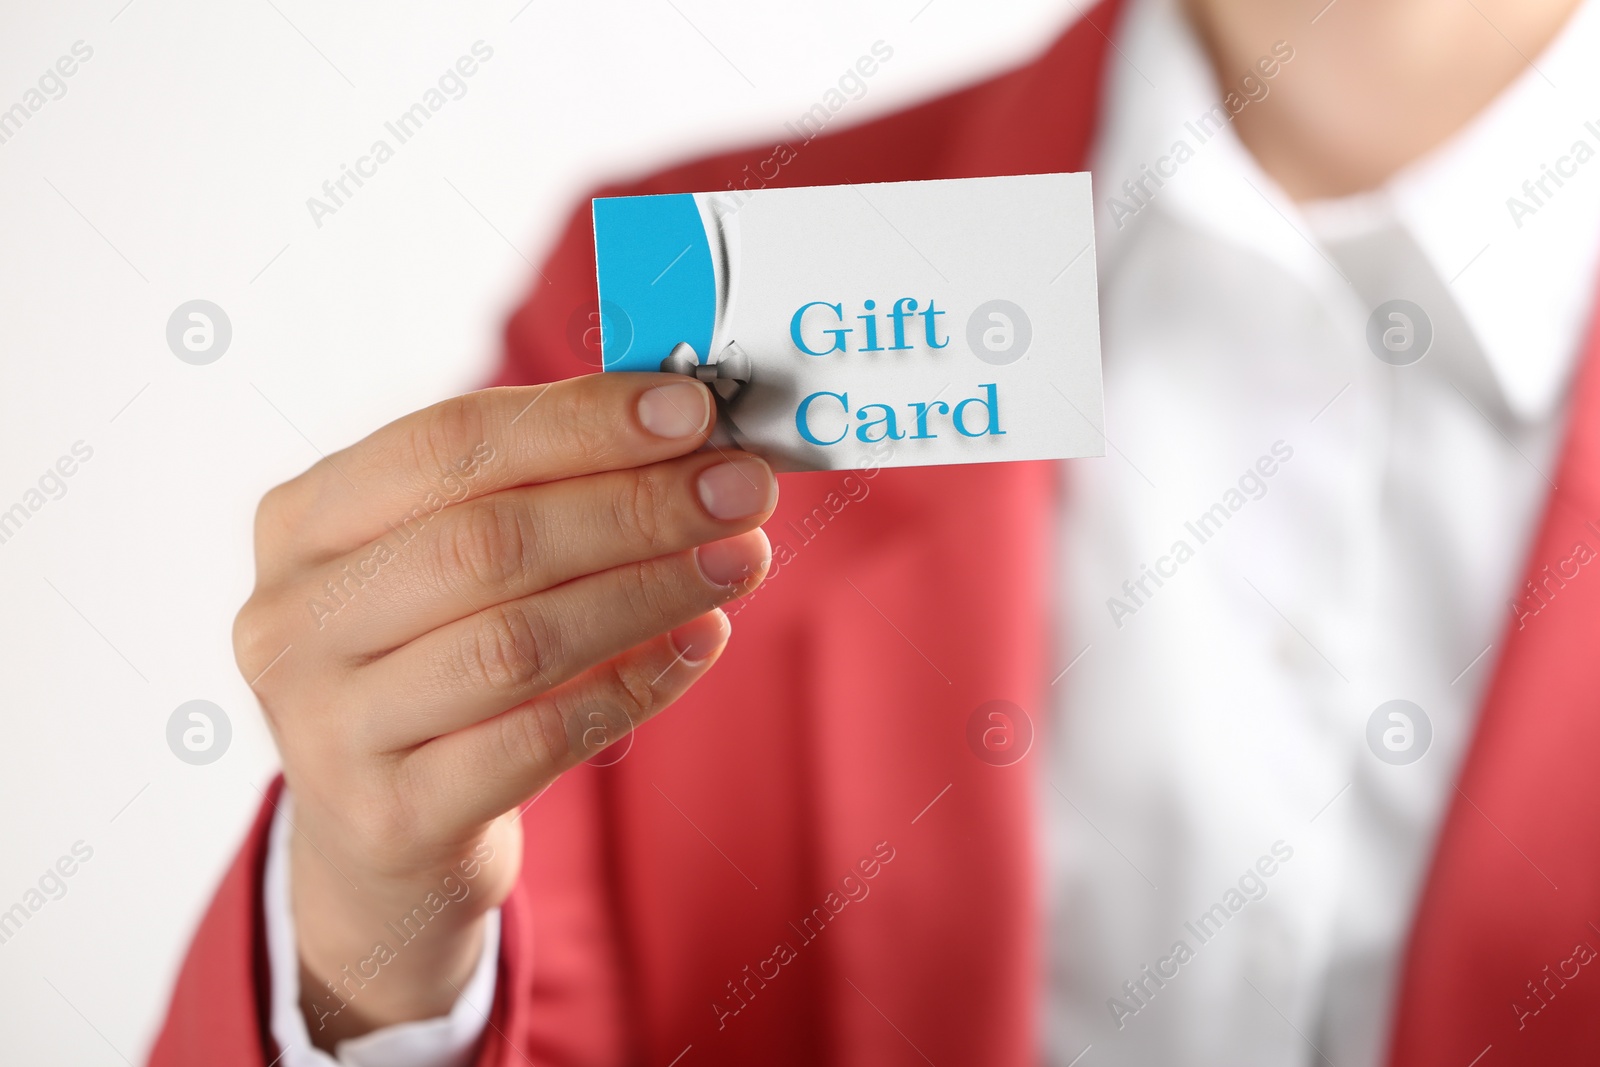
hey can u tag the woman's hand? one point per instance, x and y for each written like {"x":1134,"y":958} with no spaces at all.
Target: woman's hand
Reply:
{"x":448,"y":615}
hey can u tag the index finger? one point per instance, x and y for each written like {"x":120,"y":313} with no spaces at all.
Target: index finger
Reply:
{"x":476,"y":444}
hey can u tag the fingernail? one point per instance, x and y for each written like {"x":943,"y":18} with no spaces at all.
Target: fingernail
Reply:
{"x":734,"y":559}
{"x":681,"y":409}
{"x":736,"y":489}
{"x":694,"y":642}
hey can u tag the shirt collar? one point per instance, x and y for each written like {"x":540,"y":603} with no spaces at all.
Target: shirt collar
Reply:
{"x":1521,"y":268}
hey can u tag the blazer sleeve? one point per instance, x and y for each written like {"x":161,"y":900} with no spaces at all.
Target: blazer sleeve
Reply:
{"x":218,"y":1009}
{"x":559,"y":996}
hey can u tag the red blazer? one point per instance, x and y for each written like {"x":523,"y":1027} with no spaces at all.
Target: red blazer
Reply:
{"x":693,"y":894}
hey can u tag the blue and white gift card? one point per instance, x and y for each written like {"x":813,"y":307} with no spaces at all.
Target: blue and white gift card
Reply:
{"x":847,"y":326}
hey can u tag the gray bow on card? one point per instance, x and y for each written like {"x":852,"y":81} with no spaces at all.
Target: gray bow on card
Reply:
{"x":727,"y":373}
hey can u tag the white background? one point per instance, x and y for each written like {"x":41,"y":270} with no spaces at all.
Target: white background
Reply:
{"x":176,"y":167}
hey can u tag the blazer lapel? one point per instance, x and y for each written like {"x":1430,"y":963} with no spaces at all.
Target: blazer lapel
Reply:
{"x":1503,"y":955}
{"x":943,"y":609}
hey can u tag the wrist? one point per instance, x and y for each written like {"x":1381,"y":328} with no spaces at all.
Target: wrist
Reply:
{"x":376,"y":950}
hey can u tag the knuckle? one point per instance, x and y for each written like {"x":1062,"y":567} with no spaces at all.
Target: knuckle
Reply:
{"x":446,"y":432}
{"x":273,"y":503}
{"x":510,"y":649}
{"x":490,"y":544}
{"x":635,"y":693}
{"x":651,"y":595}
{"x":255,"y":638}
{"x":642,"y":510}
{"x":582,"y":428}
{"x":276,"y":512}
{"x":532,"y":737}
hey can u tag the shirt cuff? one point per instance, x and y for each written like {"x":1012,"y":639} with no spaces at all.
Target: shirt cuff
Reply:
{"x":445,"y":1041}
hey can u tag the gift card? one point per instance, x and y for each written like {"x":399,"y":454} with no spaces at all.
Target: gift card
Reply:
{"x":847,"y":326}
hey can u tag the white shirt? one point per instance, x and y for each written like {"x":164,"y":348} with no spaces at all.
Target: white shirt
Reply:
{"x":447,"y":1041}
{"x":1230,"y":709}
{"x":1213,"y":728}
